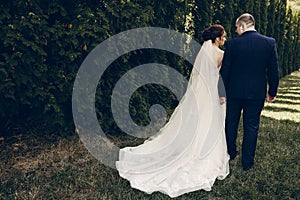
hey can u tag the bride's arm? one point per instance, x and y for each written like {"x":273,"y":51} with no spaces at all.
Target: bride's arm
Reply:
{"x":221,"y":89}
{"x":221,"y":54}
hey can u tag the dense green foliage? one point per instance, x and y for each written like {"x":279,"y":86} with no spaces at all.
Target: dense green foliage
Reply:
{"x":43,"y":44}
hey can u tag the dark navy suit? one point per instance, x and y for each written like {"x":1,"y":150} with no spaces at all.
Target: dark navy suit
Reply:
{"x":250,"y":62}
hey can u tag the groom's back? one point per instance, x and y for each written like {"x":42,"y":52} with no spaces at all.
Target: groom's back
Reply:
{"x":250,"y":56}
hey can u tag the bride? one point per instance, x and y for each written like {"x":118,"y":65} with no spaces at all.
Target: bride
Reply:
{"x":189,"y":153}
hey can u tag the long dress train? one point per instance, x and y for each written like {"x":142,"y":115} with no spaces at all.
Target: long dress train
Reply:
{"x":189,"y":153}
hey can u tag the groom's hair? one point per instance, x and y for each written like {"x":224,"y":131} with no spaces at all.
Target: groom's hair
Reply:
{"x":247,"y":18}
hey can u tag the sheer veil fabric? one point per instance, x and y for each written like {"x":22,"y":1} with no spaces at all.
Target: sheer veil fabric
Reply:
{"x":189,"y":153}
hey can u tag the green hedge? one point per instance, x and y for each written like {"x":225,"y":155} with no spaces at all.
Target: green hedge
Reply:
{"x":43,"y":44}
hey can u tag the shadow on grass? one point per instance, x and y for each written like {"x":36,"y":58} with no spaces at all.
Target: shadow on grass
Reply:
{"x":296,"y":92}
{"x":290,"y":97}
{"x":286,"y":91}
{"x":287,"y":101}
{"x":280,"y":109}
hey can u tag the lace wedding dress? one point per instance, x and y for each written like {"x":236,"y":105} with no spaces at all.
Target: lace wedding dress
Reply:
{"x":189,"y":153}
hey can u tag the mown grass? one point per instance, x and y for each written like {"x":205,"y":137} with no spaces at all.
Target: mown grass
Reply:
{"x":294,"y":4}
{"x":37,"y":166}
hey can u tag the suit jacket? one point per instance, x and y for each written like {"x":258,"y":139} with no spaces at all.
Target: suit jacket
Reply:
{"x":250,"y":62}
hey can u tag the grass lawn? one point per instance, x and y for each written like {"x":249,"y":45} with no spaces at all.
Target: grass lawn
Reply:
{"x":294,"y":4}
{"x":47,"y":167}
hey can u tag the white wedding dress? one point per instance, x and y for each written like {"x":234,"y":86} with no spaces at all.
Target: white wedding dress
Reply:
{"x":189,"y":153}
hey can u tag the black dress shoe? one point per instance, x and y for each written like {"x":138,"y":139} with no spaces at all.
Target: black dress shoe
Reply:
{"x":246,"y":168}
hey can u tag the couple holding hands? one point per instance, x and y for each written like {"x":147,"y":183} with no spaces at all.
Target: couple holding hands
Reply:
{"x":193,"y":149}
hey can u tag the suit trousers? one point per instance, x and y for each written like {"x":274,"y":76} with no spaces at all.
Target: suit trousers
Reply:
{"x":251,"y":110}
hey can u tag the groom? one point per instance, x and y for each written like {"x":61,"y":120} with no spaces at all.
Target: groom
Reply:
{"x":250,"y":62}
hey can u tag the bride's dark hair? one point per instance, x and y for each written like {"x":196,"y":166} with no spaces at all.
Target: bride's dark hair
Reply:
{"x":212,"y":32}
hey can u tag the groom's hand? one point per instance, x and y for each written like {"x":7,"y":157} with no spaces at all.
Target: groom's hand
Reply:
{"x":270,"y":99}
{"x":222,"y":100}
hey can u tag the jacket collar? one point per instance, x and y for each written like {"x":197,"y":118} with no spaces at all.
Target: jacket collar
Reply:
{"x":249,"y":32}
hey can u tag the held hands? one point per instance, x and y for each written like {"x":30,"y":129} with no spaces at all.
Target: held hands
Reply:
{"x":270,"y":99}
{"x":222,"y":100}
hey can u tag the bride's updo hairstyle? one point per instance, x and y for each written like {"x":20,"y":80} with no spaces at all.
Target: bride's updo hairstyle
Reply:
{"x":212,"y":32}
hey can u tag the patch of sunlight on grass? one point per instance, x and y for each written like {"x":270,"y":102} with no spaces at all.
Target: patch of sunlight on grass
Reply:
{"x":284,"y":115}
{"x":284,"y":106}
{"x":289,"y":95}
{"x":294,"y":88}
{"x":287,"y":104}
{"x":295,"y":5}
